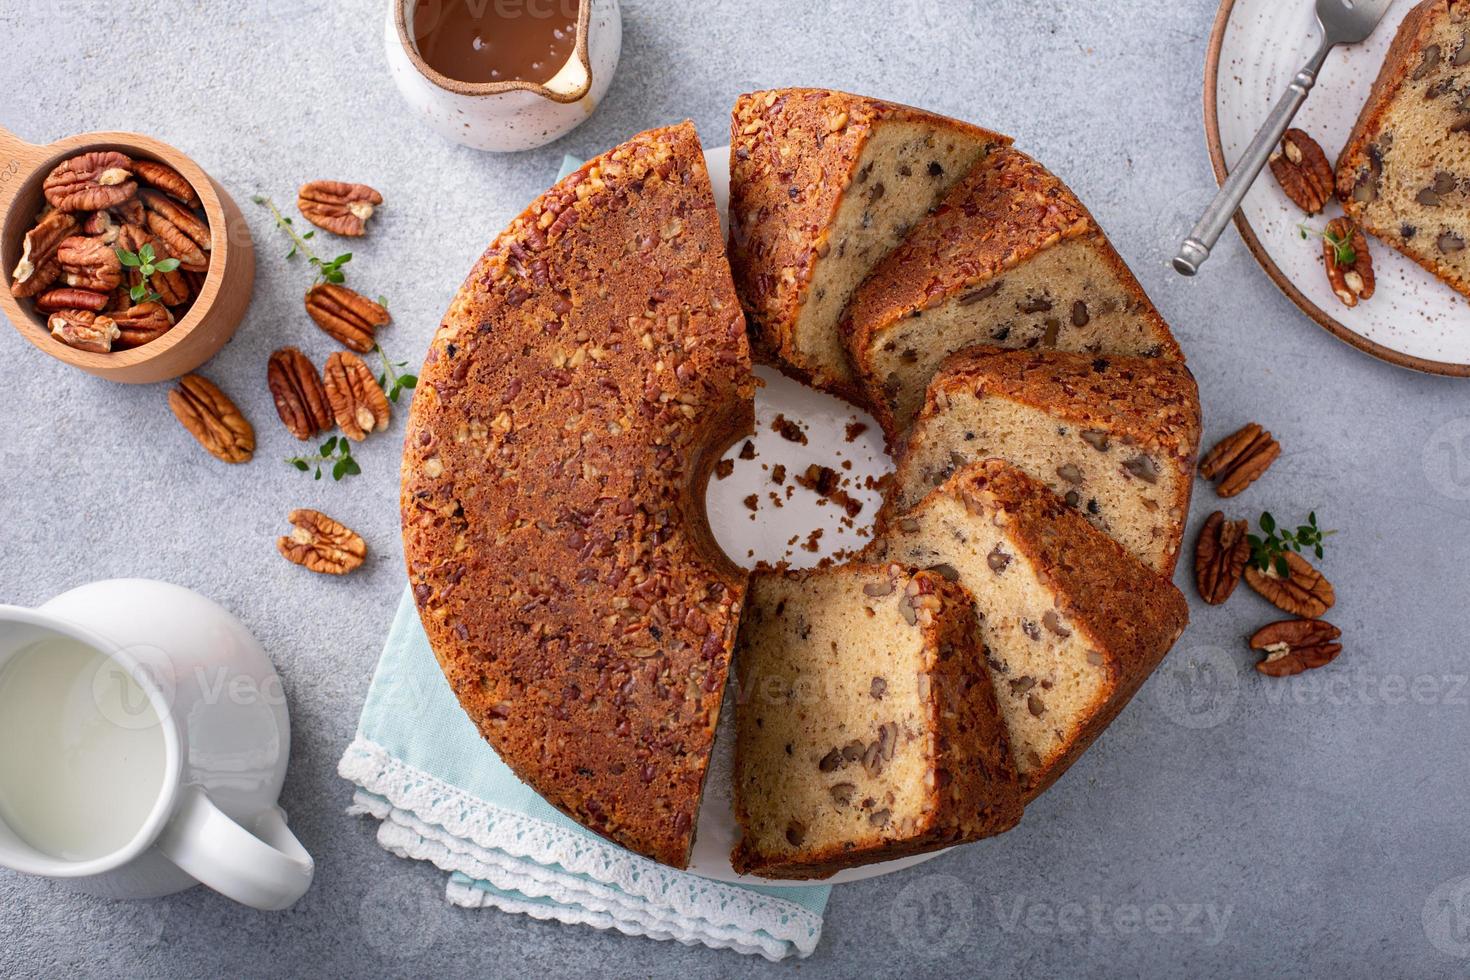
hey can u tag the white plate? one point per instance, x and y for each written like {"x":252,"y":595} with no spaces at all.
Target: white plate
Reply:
{"x":766,"y":535}
{"x":1413,"y":319}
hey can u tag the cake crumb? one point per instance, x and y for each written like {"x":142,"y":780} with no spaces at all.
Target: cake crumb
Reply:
{"x":855,"y":429}
{"x":789,"y":430}
{"x":778,"y":475}
{"x":724,"y":468}
{"x":747,"y":451}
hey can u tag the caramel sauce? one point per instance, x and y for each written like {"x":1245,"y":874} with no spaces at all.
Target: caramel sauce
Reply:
{"x":496,"y":40}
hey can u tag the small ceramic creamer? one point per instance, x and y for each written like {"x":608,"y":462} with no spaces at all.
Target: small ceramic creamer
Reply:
{"x":508,"y":114}
{"x":143,"y":743}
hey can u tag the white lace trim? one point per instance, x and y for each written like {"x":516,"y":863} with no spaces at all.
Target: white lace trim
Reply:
{"x":585,"y":880}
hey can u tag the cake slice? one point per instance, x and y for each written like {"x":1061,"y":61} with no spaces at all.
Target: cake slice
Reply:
{"x":583,"y":383}
{"x":1114,"y":437}
{"x":1010,"y":258}
{"x":1404,"y":175}
{"x":867,"y":725}
{"x":1072,"y":622}
{"x":822,"y":185}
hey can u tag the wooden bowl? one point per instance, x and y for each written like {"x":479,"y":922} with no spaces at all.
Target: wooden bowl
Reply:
{"x":215,"y":312}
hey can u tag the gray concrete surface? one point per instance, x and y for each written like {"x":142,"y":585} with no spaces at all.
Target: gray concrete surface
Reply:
{"x":1226,"y":824}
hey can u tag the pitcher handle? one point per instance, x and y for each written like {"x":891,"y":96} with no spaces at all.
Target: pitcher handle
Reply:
{"x":270,"y":871}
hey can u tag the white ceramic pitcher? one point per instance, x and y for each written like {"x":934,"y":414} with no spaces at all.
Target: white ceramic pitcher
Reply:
{"x":226,"y":734}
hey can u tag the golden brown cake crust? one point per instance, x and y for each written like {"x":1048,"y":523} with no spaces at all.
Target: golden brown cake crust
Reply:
{"x":1004,"y":211}
{"x":782,"y":203}
{"x":586,"y":377}
{"x":1153,"y":401}
{"x":1400,"y":62}
{"x":977,"y":794}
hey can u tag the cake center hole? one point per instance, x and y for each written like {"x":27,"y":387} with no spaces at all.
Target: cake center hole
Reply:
{"x":806,"y":488}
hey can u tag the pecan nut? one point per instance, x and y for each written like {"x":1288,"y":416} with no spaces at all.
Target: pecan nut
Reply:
{"x":38,"y":251}
{"x":166,"y":179}
{"x":177,"y":227}
{"x":300,"y":399}
{"x":1348,"y":263}
{"x":1303,"y":171}
{"x":1239,"y":459}
{"x":358,"y":404}
{"x":321,"y":544}
{"x":1220,"y":555}
{"x":1294,"y":645}
{"x":142,"y":324}
{"x":101,"y":225}
{"x":89,"y":263}
{"x":1303,"y":592}
{"x":346,"y":316}
{"x":83,"y":330}
{"x":66,"y":298}
{"x":90,"y":182}
{"x":341,"y":208}
{"x":213,"y":419}
{"x":172,"y":288}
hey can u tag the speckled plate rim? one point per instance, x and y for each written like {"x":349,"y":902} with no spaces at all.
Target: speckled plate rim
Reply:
{"x":1258,"y":251}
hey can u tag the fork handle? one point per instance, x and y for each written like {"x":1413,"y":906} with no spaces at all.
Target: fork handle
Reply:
{"x":1196,"y":247}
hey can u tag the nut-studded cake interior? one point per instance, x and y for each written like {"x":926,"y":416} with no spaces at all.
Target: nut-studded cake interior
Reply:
{"x":1115,"y":438}
{"x":1406,"y":172}
{"x":903,"y":170}
{"x":1010,"y":258}
{"x":822,"y":185}
{"x":1072,"y":623}
{"x":866,"y":724}
{"x":583,"y":382}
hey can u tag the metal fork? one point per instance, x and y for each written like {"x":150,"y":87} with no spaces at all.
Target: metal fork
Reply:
{"x":1340,"y":22}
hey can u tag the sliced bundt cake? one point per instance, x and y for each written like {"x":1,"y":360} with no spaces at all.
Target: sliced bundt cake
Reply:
{"x":1114,"y":437}
{"x":1072,"y":622}
{"x":867,"y":725}
{"x":1404,"y":175}
{"x":822,"y":185}
{"x":1010,"y":258}
{"x":586,"y":378}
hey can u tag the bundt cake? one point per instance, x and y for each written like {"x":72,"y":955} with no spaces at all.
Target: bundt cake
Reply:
{"x":584,"y":381}
{"x":867,"y":725}
{"x":1404,"y":175}
{"x":1009,"y":258}
{"x":1073,"y":624}
{"x":822,"y":185}
{"x":1114,"y":437}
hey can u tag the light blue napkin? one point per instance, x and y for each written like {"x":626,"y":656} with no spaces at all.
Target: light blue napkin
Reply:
{"x":443,"y":795}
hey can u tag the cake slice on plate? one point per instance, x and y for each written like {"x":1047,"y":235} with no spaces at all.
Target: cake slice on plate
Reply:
{"x":822,"y":185}
{"x":1010,"y":258}
{"x":1404,"y":175}
{"x":1114,"y":437}
{"x":867,"y":728}
{"x":1072,"y":622}
{"x":589,"y":373}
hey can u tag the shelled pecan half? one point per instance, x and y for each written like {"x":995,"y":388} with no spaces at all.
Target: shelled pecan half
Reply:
{"x":90,"y":181}
{"x":1305,"y":592}
{"x":89,"y":263}
{"x":358,"y":404}
{"x":300,"y":399}
{"x":213,"y":419}
{"x":321,"y":544}
{"x":1220,"y":555}
{"x":1239,"y":459}
{"x":341,"y":208}
{"x":166,"y":179}
{"x":177,"y":227}
{"x":67,"y":298}
{"x":1295,"y":645}
{"x":1303,"y":171}
{"x":83,"y":330}
{"x":141,"y":324}
{"x":38,"y":253}
{"x":346,"y":316}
